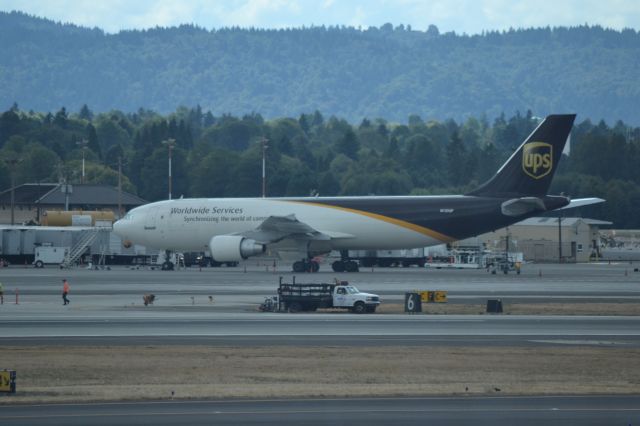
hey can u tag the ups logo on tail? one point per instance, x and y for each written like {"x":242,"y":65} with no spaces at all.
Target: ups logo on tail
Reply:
{"x":537,"y":159}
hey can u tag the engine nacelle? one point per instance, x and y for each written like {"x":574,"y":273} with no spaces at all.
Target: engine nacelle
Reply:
{"x":233,"y":248}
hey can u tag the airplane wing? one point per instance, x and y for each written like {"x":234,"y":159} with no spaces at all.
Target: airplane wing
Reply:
{"x":278,"y":228}
{"x":283,"y":234}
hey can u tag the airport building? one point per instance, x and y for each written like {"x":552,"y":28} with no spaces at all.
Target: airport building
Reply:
{"x":49,"y":218}
{"x":32,"y":201}
{"x":543,"y":239}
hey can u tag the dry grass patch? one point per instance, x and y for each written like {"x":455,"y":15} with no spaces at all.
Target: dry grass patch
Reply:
{"x":59,"y":374}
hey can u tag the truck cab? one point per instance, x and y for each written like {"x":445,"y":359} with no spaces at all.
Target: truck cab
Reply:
{"x":348,"y":296}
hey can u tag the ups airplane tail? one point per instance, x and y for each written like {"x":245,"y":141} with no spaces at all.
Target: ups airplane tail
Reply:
{"x":529,"y":171}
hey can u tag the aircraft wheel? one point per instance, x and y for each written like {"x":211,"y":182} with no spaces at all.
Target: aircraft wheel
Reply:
{"x":299,"y":266}
{"x":368,"y":263}
{"x":315,"y":266}
{"x":337,"y":266}
{"x":351,"y":266}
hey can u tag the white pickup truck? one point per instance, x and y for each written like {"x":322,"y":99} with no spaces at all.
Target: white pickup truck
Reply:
{"x":309,"y":297}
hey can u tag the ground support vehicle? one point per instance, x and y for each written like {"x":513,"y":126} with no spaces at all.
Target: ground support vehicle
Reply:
{"x":294,"y":297}
{"x":49,"y":255}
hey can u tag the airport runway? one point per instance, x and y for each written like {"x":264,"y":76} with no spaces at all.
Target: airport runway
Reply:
{"x":106,"y":309}
{"x":225,"y":327}
{"x":450,"y":411}
{"x":106,"y":306}
{"x":595,"y":282}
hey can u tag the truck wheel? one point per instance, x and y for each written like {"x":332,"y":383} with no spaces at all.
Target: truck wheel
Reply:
{"x":359,"y":308}
{"x":39,"y":264}
{"x":295,"y":307}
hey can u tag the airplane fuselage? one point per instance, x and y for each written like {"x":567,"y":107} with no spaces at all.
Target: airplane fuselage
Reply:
{"x":357,"y":223}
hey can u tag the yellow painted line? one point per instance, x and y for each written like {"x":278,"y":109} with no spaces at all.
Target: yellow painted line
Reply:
{"x":404,"y":224}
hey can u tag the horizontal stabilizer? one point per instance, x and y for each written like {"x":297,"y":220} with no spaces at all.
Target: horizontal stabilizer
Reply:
{"x":579,"y":202}
{"x":522,"y":206}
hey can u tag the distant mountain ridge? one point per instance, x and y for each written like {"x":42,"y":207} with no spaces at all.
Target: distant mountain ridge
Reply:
{"x":384,"y":72}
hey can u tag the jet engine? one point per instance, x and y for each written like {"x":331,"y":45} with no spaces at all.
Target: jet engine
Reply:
{"x":233,"y":248}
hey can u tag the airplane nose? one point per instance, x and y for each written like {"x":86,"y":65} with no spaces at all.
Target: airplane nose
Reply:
{"x":118,"y":228}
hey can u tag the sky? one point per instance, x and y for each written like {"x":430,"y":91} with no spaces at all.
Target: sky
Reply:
{"x":461,"y":16}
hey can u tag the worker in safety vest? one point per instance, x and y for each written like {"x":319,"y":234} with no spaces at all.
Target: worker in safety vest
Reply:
{"x":65,"y":291}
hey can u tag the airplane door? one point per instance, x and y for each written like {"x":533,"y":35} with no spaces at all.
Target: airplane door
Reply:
{"x":151,"y":218}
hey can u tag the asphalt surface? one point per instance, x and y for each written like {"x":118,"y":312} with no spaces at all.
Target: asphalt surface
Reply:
{"x":246,"y":284}
{"x":450,"y":411}
{"x":423,"y":329}
{"x":218,"y":306}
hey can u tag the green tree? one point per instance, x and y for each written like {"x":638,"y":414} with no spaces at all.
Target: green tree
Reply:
{"x":456,"y":160}
{"x":348,"y":145}
{"x":213,"y":176}
{"x":92,"y":139}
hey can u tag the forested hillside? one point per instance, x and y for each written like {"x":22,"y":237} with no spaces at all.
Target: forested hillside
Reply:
{"x":389,"y":72}
{"x":220,"y":156}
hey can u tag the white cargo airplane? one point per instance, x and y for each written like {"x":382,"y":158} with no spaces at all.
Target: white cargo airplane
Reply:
{"x":233,"y":229}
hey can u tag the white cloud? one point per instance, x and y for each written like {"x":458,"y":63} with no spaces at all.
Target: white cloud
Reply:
{"x":461,"y":16}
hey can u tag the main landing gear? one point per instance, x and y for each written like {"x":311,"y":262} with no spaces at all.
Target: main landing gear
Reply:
{"x":306,"y":265}
{"x":345,"y":266}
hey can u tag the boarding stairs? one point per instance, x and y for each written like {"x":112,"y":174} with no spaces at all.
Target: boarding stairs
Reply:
{"x":87,"y":237}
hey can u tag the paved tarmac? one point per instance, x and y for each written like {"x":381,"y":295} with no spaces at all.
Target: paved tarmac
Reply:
{"x":106,"y":309}
{"x":239,"y":286}
{"x":106,"y":306}
{"x":505,"y":330}
{"x":450,"y":411}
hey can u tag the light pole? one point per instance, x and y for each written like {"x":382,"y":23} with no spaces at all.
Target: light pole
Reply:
{"x":83,"y":144}
{"x":119,"y":187}
{"x":170,"y":143}
{"x":12,"y":163}
{"x":264,"y":141}
{"x":559,"y":237}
